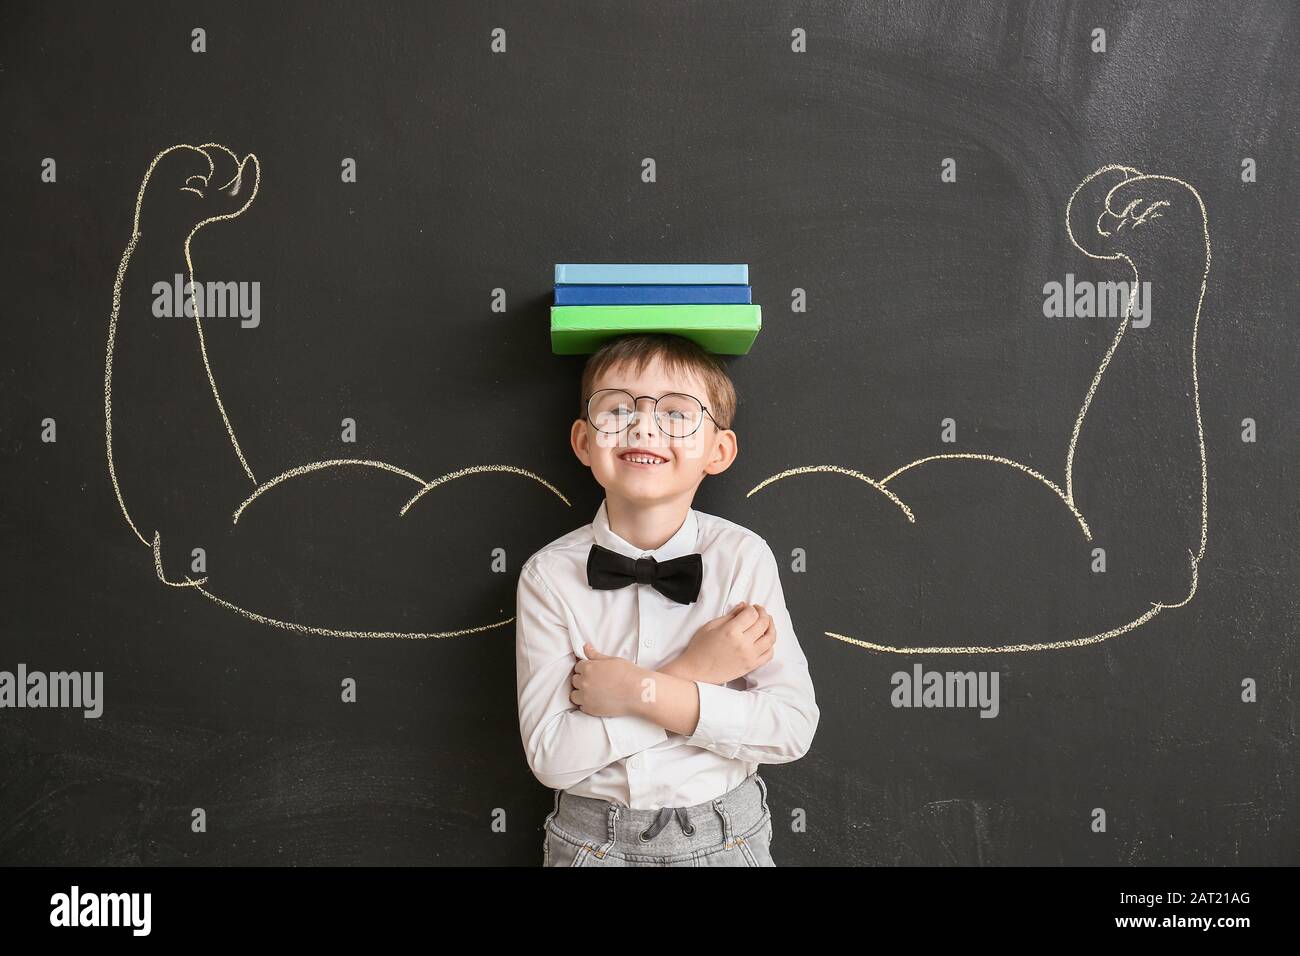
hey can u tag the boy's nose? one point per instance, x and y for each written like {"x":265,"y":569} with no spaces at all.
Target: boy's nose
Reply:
{"x":643,"y":419}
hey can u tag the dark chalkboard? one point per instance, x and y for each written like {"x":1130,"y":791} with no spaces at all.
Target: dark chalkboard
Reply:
{"x":951,"y":422}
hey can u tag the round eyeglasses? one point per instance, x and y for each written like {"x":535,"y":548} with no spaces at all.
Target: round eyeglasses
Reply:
{"x":611,"y":410}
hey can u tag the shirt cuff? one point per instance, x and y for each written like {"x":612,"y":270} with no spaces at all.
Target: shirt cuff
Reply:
{"x":722,"y":720}
{"x":631,"y":734}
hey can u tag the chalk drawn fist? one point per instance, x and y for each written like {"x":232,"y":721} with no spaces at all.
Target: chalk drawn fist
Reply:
{"x":187,"y":187}
{"x":1120,"y":212}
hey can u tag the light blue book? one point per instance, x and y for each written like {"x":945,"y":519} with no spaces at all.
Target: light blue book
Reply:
{"x":649,"y":273}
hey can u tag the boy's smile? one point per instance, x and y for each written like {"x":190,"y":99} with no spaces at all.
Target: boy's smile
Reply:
{"x":642,"y":458}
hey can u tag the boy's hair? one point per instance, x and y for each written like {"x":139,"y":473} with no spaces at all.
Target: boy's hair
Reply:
{"x":678,"y":354}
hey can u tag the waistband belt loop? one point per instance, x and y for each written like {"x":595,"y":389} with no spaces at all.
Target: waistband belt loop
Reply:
{"x":721,"y":809}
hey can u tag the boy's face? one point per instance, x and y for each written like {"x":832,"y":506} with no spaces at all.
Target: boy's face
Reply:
{"x":683,"y":461}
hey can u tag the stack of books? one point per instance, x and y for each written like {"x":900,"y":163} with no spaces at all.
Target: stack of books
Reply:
{"x":709,"y":304}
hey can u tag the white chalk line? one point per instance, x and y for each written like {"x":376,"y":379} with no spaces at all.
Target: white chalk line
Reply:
{"x":317,"y":466}
{"x":1021,"y":648}
{"x":474,"y":469}
{"x":425,"y":486}
{"x":108,"y":374}
{"x":1067,"y":495}
{"x":806,"y":469}
{"x":158,"y":568}
{"x":334,"y":632}
{"x":1083,"y":525}
{"x":1007,"y":649}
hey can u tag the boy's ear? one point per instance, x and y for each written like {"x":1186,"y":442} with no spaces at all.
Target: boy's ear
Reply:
{"x":730,"y":446}
{"x":578,"y":439}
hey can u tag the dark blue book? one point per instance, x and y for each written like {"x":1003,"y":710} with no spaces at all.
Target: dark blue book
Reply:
{"x":652,"y":295}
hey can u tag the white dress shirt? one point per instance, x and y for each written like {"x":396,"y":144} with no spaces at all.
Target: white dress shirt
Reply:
{"x":768,"y":716}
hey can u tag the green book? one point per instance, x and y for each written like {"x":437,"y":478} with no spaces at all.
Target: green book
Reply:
{"x":721,"y":329}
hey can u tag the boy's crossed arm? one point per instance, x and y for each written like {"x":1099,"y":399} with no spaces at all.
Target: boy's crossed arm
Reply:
{"x":624,"y":708}
{"x":772,"y":720}
{"x":726,"y":648}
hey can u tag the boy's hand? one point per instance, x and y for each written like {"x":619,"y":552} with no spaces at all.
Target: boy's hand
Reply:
{"x":606,"y":686}
{"x":729,"y":646}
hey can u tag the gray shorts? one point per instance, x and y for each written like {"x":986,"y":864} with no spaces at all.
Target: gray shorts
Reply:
{"x":734,"y":829}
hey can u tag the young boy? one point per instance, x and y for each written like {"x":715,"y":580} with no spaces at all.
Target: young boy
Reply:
{"x":657,"y":664}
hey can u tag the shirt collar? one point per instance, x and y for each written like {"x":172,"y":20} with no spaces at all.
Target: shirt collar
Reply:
{"x":681,"y":543}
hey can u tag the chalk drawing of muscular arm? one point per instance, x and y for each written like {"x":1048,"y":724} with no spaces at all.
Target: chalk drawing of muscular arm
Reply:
{"x":172,"y":425}
{"x":1157,"y":227}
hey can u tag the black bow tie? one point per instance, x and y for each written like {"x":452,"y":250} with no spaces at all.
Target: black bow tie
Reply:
{"x":678,"y":579}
